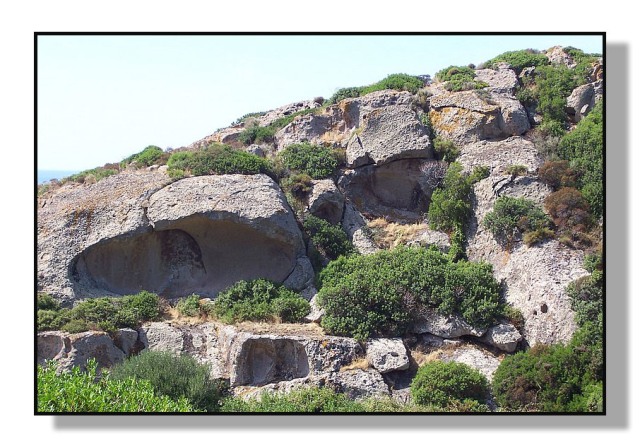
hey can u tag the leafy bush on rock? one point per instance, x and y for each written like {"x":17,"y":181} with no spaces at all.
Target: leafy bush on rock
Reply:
{"x":512,"y":215}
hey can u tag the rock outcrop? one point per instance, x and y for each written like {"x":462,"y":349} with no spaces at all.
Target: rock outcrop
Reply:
{"x":199,"y":234}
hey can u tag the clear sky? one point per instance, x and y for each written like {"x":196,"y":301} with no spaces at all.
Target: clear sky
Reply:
{"x":102,"y":98}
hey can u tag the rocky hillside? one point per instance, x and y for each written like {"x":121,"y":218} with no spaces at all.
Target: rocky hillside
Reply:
{"x":470,"y":171}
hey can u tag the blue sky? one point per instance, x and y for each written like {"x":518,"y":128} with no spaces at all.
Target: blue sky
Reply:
{"x":102,"y":98}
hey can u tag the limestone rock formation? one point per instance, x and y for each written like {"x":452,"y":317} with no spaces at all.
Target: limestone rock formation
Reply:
{"x":71,"y":350}
{"x":503,"y":336}
{"x":502,"y":81}
{"x":580,"y":102}
{"x":326,"y":201}
{"x":444,"y":326}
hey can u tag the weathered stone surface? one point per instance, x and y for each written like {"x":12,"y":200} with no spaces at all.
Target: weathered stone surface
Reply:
{"x":536,"y":277}
{"x":358,"y":384}
{"x":126,"y":339}
{"x":316,"y":313}
{"x":473,"y":356}
{"x":504,"y":337}
{"x":225,"y":136}
{"x":557,"y":55}
{"x":199,"y":234}
{"x":355,"y":226}
{"x":326,"y":201}
{"x":387,"y":134}
{"x":70,"y":350}
{"x":256,"y":150}
{"x":432,"y":238}
{"x":162,"y":336}
{"x":283,"y":111}
{"x":387,"y":354}
{"x":580,"y":102}
{"x":399,"y":191}
{"x":469,"y":116}
{"x":444,"y":326}
{"x":502,"y":81}
{"x":499,"y":155}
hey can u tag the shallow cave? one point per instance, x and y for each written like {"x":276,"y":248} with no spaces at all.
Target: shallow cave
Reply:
{"x":398,"y":191}
{"x":192,"y":255}
{"x":264,"y":361}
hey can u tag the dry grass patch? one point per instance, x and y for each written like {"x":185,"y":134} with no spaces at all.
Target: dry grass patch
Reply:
{"x":358,"y":363}
{"x":388,"y":235}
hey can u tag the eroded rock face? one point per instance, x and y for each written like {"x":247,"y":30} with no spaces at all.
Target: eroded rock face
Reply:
{"x":473,"y":356}
{"x":326,"y":201}
{"x":399,"y":190}
{"x":499,"y":155}
{"x":444,"y":326}
{"x":580,"y":102}
{"x":387,"y":134}
{"x":503,"y":81}
{"x":504,"y":337}
{"x":469,"y":116}
{"x":71,"y":350}
{"x":387,"y":354}
{"x":198,"y":235}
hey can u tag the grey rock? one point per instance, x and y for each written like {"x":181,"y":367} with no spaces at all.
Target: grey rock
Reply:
{"x":387,"y":354}
{"x":52,"y":345}
{"x":469,"y":116}
{"x":432,"y":238}
{"x":503,"y":81}
{"x":316,"y":313}
{"x":74,"y":350}
{"x":126,"y":339}
{"x":162,"y":336}
{"x":444,"y":326}
{"x":256,"y":150}
{"x":355,"y":226}
{"x":359,"y":384}
{"x":499,"y":155}
{"x":503,"y":336}
{"x":326,"y":201}
{"x":386,"y":134}
{"x":302,"y":275}
{"x":475,"y":357}
{"x":580,"y":102}
{"x":283,"y":111}
{"x":558,"y":56}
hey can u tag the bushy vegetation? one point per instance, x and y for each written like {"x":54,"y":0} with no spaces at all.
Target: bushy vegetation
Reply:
{"x":557,"y":174}
{"x":399,"y":81}
{"x":245,"y":117}
{"x":316,"y":161}
{"x":457,"y":78}
{"x":584,"y":149}
{"x":90,"y":176}
{"x":147,"y":157}
{"x":330,"y":240}
{"x":78,"y":391}
{"x":259,"y":300}
{"x":445,"y":149}
{"x":189,"y":306}
{"x":254,"y":133}
{"x":444,"y":384}
{"x":450,"y":205}
{"x":220,"y":159}
{"x":511,"y":216}
{"x":518,"y":60}
{"x":178,"y":377}
{"x":105,"y":313}
{"x":516,"y":170}
{"x":569,"y":210}
{"x":380,"y":294}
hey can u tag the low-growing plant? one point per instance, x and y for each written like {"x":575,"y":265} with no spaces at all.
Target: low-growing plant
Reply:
{"x":380,"y":294}
{"x":516,"y":170}
{"x":147,"y":157}
{"x":457,"y":78}
{"x":445,"y":149}
{"x":259,"y":300}
{"x":95,"y":174}
{"x":511,"y":216}
{"x":557,"y":174}
{"x":536,"y":236}
{"x":398,"y":81}
{"x":189,"y":306}
{"x":586,"y":296}
{"x":78,"y":391}
{"x":519,"y":60}
{"x":329,"y":239}
{"x":569,"y":210}
{"x":444,"y":384}
{"x":178,"y":377}
{"x":450,"y":205}
{"x":316,"y":161}
{"x":220,"y":159}
{"x":45,"y":302}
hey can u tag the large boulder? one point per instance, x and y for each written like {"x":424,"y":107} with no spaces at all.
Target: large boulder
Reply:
{"x":499,"y":155}
{"x":504,"y":337}
{"x":386,"y":134}
{"x":447,"y":327}
{"x":201,"y":234}
{"x":387,"y":354}
{"x":502,"y":81}
{"x":468,"y":116}
{"x":74,"y":350}
{"x":326,"y":201}
{"x":580,"y":102}
{"x":482,"y":360}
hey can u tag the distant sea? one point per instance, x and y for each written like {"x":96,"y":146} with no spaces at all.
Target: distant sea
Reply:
{"x":47,"y":175}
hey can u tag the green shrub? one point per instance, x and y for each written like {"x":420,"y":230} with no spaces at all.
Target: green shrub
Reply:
{"x":90,"y":176}
{"x":519,"y":60}
{"x":45,"y":302}
{"x":244,"y":118}
{"x":535,"y":236}
{"x":584,"y":149}
{"x":147,"y":157}
{"x":145,"y":305}
{"x":450,"y":205}
{"x":398,"y":81}
{"x":220,"y":159}
{"x":512,"y":215}
{"x":445,"y":149}
{"x":312,"y":400}
{"x":329,"y":239}
{"x":46,"y":320}
{"x":316,"y":161}
{"x":516,"y":170}
{"x":445,"y":383}
{"x":256,"y":134}
{"x":189,"y":306}
{"x":478,"y":173}
{"x":259,"y":300}
{"x":298,"y":185}
{"x":553,"y":85}
{"x":76,"y":391}
{"x":586,"y":296}
{"x":178,"y":377}
{"x":457,"y":78}
{"x":380,"y":294}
